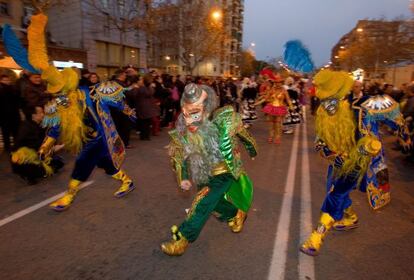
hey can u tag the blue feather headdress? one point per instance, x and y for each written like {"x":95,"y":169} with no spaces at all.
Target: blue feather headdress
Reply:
{"x":16,"y":50}
{"x":298,"y":57}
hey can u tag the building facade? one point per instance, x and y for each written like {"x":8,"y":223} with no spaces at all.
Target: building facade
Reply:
{"x":104,"y":29}
{"x":176,"y":49}
{"x":17,"y":14}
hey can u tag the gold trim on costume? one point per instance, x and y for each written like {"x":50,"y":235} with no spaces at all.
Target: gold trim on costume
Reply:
{"x":200,"y":195}
{"x":220,"y":168}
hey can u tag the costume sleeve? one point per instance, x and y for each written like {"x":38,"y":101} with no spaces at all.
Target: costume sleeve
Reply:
{"x":119,"y":104}
{"x":53,"y":132}
{"x":382,"y":108}
{"x":398,"y":125}
{"x":178,"y":164}
{"x":324,"y":151}
{"x":248,"y":141}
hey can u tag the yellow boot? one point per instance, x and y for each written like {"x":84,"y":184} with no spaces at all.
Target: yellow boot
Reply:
{"x":177,"y":246}
{"x":64,"y":202}
{"x":127,"y":184}
{"x":313,"y":245}
{"x":349,"y":221}
{"x":236,"y":223}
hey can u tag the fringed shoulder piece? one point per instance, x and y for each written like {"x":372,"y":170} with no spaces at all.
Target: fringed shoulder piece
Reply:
{"x":226,"y":119}
{"x":109,"y":91}
{"x":380,"y":107}
{"x":52,"y":117}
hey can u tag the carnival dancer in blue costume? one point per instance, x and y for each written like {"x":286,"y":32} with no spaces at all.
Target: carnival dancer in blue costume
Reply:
{"x":80,"y":119}
{"x":348,"y":136}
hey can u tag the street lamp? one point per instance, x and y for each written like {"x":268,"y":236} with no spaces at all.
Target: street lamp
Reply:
{"x":167,"y":57}
{"x":216,"y":14}
{"x":252,"y":44}
{"x":342,"y":47}
{"x":191,"y":54}
{"x":360,"y":29}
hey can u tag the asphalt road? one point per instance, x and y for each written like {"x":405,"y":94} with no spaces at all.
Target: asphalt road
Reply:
{"x":102,"y":237}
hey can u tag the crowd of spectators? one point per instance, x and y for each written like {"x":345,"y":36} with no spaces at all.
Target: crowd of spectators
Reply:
{"x":156,"y":100}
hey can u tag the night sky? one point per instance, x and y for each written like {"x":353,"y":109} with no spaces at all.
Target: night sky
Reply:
{"x":318,"y":23}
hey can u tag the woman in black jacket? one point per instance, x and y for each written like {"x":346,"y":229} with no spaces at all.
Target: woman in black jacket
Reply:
{"x":145,"y":105}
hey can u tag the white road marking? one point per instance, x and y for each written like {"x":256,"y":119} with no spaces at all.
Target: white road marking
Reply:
{"x":306,"y":267}
{"x":37,"y":206}
{"x":278,"y":262}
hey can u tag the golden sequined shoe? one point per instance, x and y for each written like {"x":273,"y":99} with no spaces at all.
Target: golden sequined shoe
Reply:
{"x":127,"y":184}
{"x":236,"y":223}
{"x":177,"y":246}
{"x":313,"y":244}
{"x":349,"y":221}
{"x":64,"y":202}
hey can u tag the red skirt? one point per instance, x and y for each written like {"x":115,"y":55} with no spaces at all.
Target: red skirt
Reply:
{"x":275,"y":110}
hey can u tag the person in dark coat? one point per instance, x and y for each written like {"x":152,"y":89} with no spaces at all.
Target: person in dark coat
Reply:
{"x":34,"y":93}
{"x":84,"y":80}
{"x":9,"y":110}
{"x":145,"y":105}
{"x":122,"y":122}
{"x":25,"y":161}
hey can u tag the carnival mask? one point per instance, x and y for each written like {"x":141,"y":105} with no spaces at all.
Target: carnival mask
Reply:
{"x":330,"y":105}
{"x":194,"y":113}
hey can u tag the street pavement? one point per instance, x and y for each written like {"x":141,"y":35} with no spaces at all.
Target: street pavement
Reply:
{"x":101,"y":237}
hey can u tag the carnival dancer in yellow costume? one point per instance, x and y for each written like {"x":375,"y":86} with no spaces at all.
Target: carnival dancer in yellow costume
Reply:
{"x":348,"y":136}
{"x":80,"y":119}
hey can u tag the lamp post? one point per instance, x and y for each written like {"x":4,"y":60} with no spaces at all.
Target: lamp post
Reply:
{"x":216,"y":15}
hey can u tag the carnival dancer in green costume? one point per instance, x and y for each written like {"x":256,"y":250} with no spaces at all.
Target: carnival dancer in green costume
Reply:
{"x":204,"y":152}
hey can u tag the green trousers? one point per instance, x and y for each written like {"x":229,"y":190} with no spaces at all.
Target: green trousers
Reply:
{"x":208,"y":200}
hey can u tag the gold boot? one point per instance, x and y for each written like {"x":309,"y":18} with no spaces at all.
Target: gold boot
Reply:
{"x":64,"y":202}
{"x":349,"y":221}
{"x":313,"y":245}
{"x":177,"y":246}
{"x":236,"y":223}
{"x":127,"y":184}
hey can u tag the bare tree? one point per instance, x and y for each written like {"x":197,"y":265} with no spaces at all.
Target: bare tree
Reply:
{"x":387,"y":44}
{"x":120,"y":15}
{"x":187,"y":27}
{"x":247,"y":63}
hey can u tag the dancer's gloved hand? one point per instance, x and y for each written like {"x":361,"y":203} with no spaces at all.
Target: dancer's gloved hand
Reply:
{"x":186,"y":185}
{"x":406,"y":145}
{"x":131,"y":113}
{"x":339,"y":161}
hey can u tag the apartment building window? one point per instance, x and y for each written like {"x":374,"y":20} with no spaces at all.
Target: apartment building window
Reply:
{"x":4,"y":9}
{"x":137,"y":37}
{"x":104,"y":4}
{"x":106,"y":26}
{"x":121,"y":6}
{"x":102,"y":53}
{"x":114,"y":54}
{"x":131,"y":56}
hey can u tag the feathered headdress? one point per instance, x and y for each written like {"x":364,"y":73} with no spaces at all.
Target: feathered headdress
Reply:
{"x":298,"y":57}
{"x":266,"y":72}
{"x":15,"y":49}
